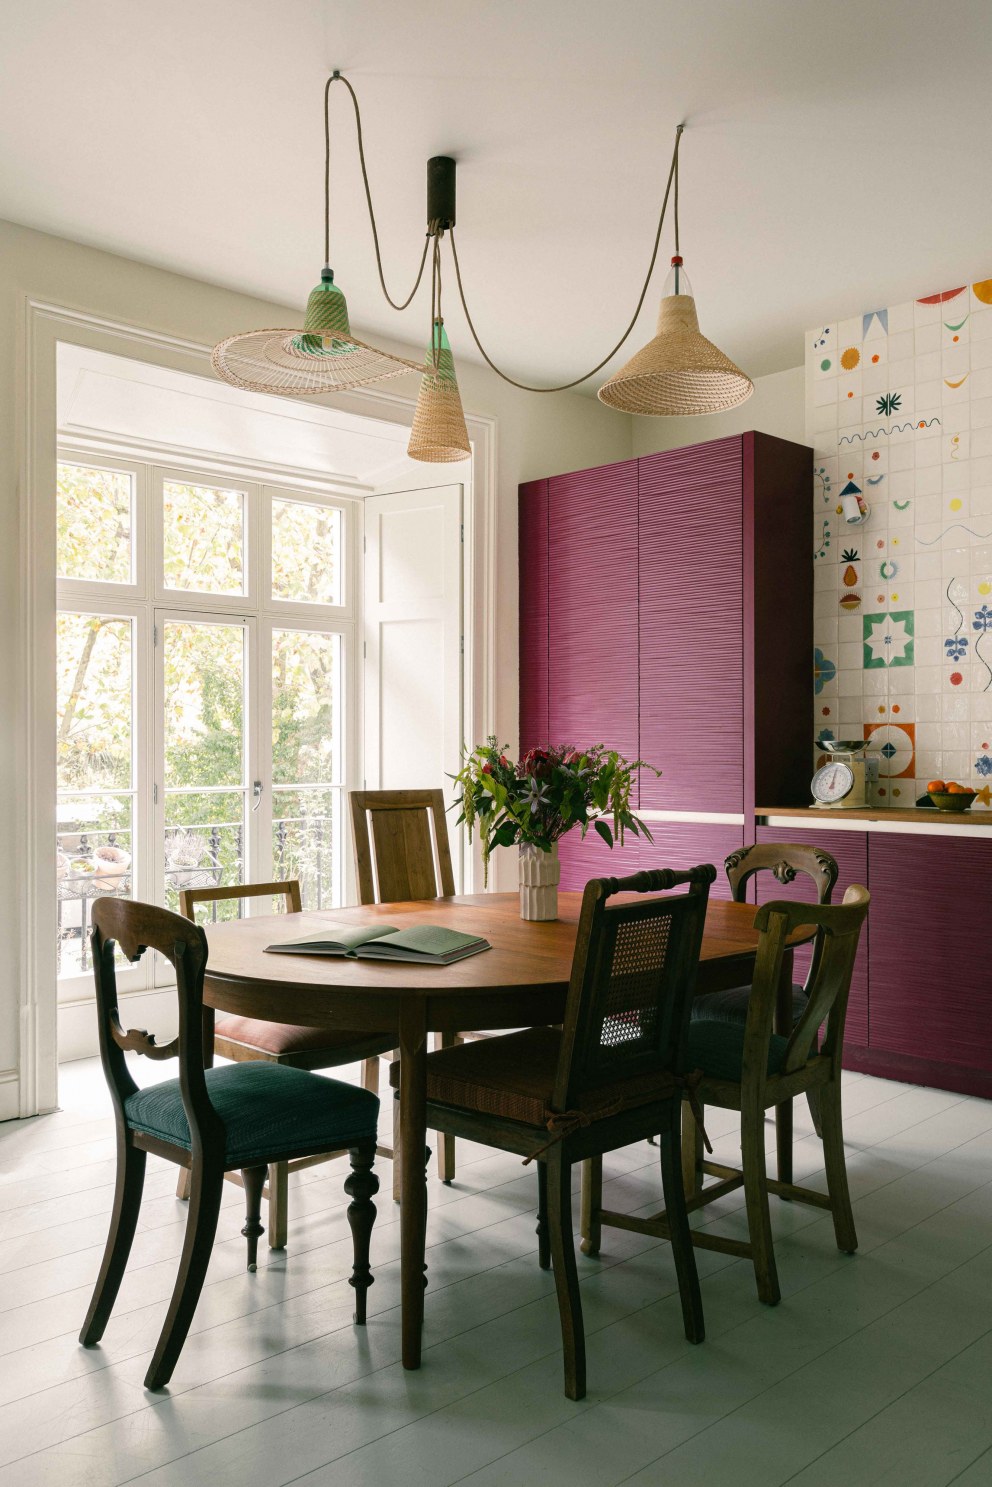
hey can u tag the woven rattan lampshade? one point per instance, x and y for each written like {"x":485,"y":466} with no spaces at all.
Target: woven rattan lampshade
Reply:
{"x":439,"y":435}
{"x":679,"y":373}
{"x":322,"y":357}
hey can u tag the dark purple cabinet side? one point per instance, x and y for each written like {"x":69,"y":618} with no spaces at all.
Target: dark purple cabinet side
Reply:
{"x":691,"y":627}
{"x":592,"y":607}
{"x":850,"y":849}
{"x":533,"y":559}
{"x":930,"y":982}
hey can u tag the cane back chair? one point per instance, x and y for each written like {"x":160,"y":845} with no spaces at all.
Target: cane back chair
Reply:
{"x":612,"y":1074}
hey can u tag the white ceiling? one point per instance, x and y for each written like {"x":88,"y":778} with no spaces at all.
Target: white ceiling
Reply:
{"x":836,"y":156}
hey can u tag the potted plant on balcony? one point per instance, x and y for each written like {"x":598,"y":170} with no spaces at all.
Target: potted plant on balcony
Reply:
{"x":533,"y":803}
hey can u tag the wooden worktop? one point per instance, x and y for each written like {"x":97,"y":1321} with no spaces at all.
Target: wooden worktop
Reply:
{"x":913,"y":815}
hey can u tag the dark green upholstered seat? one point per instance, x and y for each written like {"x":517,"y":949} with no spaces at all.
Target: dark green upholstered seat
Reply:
{"x":718,"y":1049}
{"x":268,"y":1111}
{"x":731,"y":1005}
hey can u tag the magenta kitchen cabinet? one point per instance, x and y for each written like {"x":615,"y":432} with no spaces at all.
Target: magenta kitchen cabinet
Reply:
{"x":677,"y":595}
{"x":592,"y":608}
{"x":691,"y":627}
{"x":930,"y":985}
{"x":681,"y":844}
{"x":850,"y":850}
{"x":533,"y":558}
{"x":592,"y":858}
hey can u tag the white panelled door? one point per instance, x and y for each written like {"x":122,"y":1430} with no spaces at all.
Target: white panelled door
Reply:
{"x":413,"y":643}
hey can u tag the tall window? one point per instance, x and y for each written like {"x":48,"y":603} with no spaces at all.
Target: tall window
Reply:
{"x":205,"y":655}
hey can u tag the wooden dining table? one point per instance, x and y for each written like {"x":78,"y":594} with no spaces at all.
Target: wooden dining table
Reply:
{"x":521,"y":982}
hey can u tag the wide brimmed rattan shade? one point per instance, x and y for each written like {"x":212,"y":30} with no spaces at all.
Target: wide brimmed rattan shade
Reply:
{"x":679,"y":373}
{"x":439,"y":435}
{"x":322,"y":357}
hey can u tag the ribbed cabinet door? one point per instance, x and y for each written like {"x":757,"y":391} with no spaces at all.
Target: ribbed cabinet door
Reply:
{"x":930,"y":987}
{"x":691,"y":627}
{"x":850,"y":850}
{"x":533,"y":555}
{"x":592,"y":858}
{"x":682,"y":844}
{"x":592,"y":600}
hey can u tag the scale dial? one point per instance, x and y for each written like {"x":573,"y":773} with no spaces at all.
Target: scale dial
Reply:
{"x":832,"y":783}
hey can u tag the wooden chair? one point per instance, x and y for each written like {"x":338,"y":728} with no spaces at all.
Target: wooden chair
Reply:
{"x":210,"y":1121}
{"x":395,"y":833}
{"x":249,"y":1040}
{"x":750,"y":1069}
{"x":612,"y":1074}
{"x":786,"y":861}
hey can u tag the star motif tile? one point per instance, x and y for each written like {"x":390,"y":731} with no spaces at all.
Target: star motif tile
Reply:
{"x":888,"y":639}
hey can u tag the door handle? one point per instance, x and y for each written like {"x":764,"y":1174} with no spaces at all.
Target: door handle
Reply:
{"x":257,"y":795}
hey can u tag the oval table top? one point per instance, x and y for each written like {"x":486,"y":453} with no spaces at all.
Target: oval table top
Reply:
{"x":526,"y":958}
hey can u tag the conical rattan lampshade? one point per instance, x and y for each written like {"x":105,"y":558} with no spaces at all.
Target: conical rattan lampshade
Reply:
{"x":323,"y":357}
{"x":679,"y":373}
{"x":439,"y":435}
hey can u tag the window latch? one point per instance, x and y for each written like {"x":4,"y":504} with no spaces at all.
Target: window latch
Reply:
{"x":256,"y":791}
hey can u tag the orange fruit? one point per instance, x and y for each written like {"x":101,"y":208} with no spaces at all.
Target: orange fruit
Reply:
{"x":936,"y":787}
{"x":953,"y":788}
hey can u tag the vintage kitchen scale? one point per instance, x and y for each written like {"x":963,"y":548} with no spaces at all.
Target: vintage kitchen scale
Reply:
{"x":842,"y":783}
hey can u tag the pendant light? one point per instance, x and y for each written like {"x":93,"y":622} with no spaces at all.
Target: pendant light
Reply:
{"x":439,"y":434}
{"x":324,"y":356}
{"x":679,"y":373}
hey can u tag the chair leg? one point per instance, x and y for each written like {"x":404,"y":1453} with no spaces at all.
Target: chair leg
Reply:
{"x":836,"y":1167}
{"x":397,"y":1151}
{"x":813,"y":1101}
{"x":566,"y":1272}
{"x":590,"y":1226}
{"x":446,"y":1143}
{"x":361,"y":1186}
{"x":278,"y":1205}
{"x":201,"y":1226}
{"x":543,"y":1243}
{"x":679,"y":1232}
{"x":692,"y":1152}
{"x":370,"y":1074}
{"x":254,"y":1181}
{"x":123,"y":1222}
{"x":183,"y":1182}
{"x":756,"y":1196}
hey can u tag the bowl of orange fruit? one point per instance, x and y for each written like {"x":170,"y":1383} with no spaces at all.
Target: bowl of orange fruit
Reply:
{"x":948,"y":795}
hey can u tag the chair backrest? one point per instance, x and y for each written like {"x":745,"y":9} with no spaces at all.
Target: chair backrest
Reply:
{"x":785,"y":860}
{"x":838,"y":929}
{"x":633,"y":977}
{"x":135,"y":928}
{"x":289,"y":890}
{"x":395,"y":845}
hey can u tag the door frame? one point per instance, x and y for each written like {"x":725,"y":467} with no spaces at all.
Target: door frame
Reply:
{"x":31,"y":1087}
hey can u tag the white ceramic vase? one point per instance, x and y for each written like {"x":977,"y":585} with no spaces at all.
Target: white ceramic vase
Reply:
{"x":539,"y":875}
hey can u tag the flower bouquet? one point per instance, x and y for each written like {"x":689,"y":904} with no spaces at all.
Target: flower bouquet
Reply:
{"x":535,"y":802}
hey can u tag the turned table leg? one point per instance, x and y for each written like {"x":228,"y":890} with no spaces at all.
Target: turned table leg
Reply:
{"x":413,"y":1211}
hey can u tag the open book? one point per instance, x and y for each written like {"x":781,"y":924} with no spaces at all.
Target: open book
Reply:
{"x":427,"y":943}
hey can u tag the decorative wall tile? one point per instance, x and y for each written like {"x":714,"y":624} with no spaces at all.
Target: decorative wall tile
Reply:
{"x":899,"y":409}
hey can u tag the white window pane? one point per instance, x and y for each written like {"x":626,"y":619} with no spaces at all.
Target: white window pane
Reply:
{"x":204,"y":538}
{"x":204,"y":704}
{"x":93,"y":860}
{"x":305,"y":707}
{"x":306,"y":546}
{"x":94,"y":704}
{"x":94,"y":523}
{"x":304,"y":843}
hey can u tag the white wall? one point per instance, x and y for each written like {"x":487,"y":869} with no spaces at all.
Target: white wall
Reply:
{"x":777,"y":406}
{"x":535,"y":436}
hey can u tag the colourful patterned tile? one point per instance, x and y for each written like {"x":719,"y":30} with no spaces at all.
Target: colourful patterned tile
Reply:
{"x":888,"y":639}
